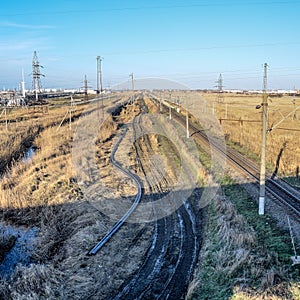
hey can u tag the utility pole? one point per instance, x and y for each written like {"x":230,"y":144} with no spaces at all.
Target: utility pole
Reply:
{"x":160,"y":102}
{"x":99,"y":75}
{"x":85,"y":88}
{"x":6,"y":123}
{"x":187,"y":118}
{"x":36,"y":76}
{"x":262,"y":184}
{"x":5,"y":116}
{"x":71,"y":109}
{"x":295,"y":110}
{"x":23,"y":85}
{"x":170,"y":111}
{"x":132,"y":87}
{"x":99,"y":83}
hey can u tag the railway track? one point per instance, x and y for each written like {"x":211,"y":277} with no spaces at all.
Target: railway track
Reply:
{"x":281,"y":192}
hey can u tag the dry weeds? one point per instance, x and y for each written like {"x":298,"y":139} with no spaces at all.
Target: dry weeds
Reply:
{"x":44,"y":192}
{"x":235,"y":261}
{"x":24,"y":125}
{"x":282,"y":145}
{"x":231,"y":257}
{"x":7,"y":241}
{"x":240,"y":110}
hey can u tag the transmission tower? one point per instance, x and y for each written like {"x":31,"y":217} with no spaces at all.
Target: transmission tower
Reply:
{"x":36,"y":76}
{"x":86,"y":88}
{"x":220,"y":89}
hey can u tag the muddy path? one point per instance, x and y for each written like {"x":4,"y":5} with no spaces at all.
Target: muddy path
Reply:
{"x":167,"y":269}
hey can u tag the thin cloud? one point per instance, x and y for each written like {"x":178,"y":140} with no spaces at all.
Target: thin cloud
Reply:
{"x":12,"y":45}
{"x":24,"y":26}
{"x":16,"y":46}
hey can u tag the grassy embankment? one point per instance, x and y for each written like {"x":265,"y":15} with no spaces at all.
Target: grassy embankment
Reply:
{"x":244,"y":256}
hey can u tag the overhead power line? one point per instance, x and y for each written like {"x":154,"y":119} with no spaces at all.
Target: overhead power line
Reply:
{"x":149,"y":7}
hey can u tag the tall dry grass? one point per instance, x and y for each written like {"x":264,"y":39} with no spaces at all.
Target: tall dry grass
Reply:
{"x":44,"y":192}
{"x":49,"y":177}
{"x":23,"y":125}
{"x":283,"y":146}
{"x":43,"y":180}
{"x":234,"y":264}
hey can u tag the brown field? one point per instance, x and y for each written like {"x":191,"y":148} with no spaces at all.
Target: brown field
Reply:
{"x":48,"y":178}
{"x":241,"y":125}
{"x":44,"y":192}
{"x":24,"y":124}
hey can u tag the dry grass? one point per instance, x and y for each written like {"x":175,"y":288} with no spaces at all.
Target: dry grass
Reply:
{"x":49,"y":177}
{"x":37,"y":193}
{"x":44,"y":192}
{"x":243,"y":257}
{"x":7,"y":241}
{"x":248,"y":134}
{"x":43,"y":180}
{"x":151,"y":106}
{"x":35,"y":282}
{"x":278,"y":292}
{"x":24,"y":124}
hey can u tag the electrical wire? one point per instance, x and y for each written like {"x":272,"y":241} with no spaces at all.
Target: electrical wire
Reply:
{"x":181,"y":6}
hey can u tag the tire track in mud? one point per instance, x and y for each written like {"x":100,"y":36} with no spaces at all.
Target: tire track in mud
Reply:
{"x":172,"y":256}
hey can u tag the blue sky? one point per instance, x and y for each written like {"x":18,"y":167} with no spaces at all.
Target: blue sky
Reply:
{"x":188,"y":41}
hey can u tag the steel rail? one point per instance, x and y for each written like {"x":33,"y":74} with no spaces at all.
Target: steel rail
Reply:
{"x":118,"y":224}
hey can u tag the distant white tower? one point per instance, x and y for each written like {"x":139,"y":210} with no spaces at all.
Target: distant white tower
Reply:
{"x":23,"y":84}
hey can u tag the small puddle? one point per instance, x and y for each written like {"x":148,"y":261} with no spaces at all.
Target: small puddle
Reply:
{"x":29,"y":153}
{"x":27,"y":157}
{"x":21,"y":245}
